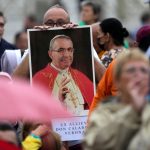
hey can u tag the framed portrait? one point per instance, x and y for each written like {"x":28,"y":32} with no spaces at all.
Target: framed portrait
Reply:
{"x":61,"y":60}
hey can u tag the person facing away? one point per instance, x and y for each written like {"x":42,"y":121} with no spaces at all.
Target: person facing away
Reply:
{"x":71,"y":86}
{"x":143,"y":39}
{"x":111,"y":38}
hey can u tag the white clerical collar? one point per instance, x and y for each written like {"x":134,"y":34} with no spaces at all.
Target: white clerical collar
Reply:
{"x":60,"y":70}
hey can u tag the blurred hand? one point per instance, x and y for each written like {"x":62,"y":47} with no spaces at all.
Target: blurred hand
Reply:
{"x":44,"y":27}
{"x":70,"y":25}
{"x":63,"y":89}
{"x":66,"y":26}
{"x":41,"y":130}
{"x":135,"y":92}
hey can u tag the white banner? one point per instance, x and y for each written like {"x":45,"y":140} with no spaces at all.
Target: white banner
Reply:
{"x":70,"y":129}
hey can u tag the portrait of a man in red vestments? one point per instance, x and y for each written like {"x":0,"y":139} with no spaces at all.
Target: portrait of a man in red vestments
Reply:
{"x":72,"y":87}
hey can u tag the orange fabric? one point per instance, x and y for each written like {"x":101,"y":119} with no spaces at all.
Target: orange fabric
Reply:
{"x":100,"y":54}
{"x":106,"y":87}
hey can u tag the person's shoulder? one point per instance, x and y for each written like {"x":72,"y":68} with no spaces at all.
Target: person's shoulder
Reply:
{"x":110,"y":105}
{"x":41,"y":71}
{"x":11,"y":51}
{"x":111,"y":65}
{"x":7,"y":45}
{"x":111,"y":100}
{"x":105,"y":111}
{"x":46,"y":72}
{"x":78,"y":72}
{"x":75,"y":70}
{"x":81,"y":76}
{"x":109,"y":70}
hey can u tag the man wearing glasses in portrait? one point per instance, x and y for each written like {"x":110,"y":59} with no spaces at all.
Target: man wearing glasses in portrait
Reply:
{"x":70,"y":86}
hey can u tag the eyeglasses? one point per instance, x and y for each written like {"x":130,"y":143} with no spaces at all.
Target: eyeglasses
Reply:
{"x":63,"y":50}
{"x":133,"y":70}
{"x":58,"y":23}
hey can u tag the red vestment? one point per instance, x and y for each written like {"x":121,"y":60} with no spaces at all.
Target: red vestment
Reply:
{"x":47,"y":76}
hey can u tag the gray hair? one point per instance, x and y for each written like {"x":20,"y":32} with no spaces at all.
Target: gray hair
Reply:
{"x":134,"y":54}
{"x":58,"y":37}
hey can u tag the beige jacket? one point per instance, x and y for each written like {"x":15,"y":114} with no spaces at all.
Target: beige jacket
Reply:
{"x":115,"y":126}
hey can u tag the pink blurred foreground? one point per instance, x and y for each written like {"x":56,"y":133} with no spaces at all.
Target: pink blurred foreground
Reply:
{"x":18,"y":100}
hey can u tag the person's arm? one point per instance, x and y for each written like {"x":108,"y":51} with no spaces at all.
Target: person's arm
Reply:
{"x":22,"y":70}
{"x":99,"y":67}
{"x":34,"y":141}
{"x":109,"y":128}
{"x":106,"y":87}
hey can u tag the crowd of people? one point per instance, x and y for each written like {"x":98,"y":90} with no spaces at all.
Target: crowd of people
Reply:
{"x":118,"y":117}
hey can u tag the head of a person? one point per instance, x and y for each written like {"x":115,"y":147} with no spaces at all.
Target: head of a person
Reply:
{"x":2,"y":24}
{"x":8,"y":134}
{"x":56,"y":16}
{"x":51,"y":141}
{"x":21,"y":40}
{"x":90,"y":12}
{"x":131,"y":65}
{"x":145,"y":18}
{"x":111,"y":32}
{"x":143,"y":38}
{"x":30,"y":22}
{"x":61,"y":51}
